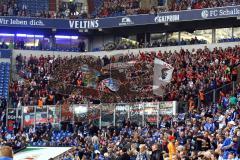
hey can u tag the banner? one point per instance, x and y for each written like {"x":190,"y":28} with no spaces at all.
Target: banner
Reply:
{"x":162,"y":76}
{"x":111,"y":84}
{"x":168,"y":108}
{"x":165,"y":108}
{"x":122,"y":21}
{"x":11,"y":118}
{"x":89,"y":76}
{"x":122,"y":107}
{"x":119,"y":65}
{"x":149,"y":108}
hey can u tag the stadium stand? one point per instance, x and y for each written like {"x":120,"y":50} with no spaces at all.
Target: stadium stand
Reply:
{"x":196,"y":65}
{"x":217,"y":123}
{"x":103,"y":8}
{"x":33,"y":6}
{"x":102,"y":104}
{"x":4,"y":79}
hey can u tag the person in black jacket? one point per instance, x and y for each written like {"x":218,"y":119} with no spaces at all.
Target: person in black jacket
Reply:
{"x":124,"y":155}
{"x":156,"y":153}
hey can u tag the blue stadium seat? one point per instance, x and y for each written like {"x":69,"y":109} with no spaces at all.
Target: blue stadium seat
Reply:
{"x":33,"y":5}
{"x":4,"y":78}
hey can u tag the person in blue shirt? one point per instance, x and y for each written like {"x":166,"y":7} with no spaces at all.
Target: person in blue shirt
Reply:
{"x":225,"y":102}
{"x":5,"y":158}
{"x":229,"y":146}
{"x":210,"y":126}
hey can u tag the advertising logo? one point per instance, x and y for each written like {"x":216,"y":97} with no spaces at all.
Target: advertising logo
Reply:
{"x":83,"y":24}
{"x":167,"y":18}
{"x":204,"y":14}
{"x":126,"y":21}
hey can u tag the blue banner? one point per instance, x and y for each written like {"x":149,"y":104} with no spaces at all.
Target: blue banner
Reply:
{"x":133,"y":20}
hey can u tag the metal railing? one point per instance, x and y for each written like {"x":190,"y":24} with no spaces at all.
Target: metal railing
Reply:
{"x":108,"y":114}
{"x":102,"y":115}
{"x":213,"y":96}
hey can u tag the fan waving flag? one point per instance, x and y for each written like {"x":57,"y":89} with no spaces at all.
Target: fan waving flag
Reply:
{"x":162,"y":76}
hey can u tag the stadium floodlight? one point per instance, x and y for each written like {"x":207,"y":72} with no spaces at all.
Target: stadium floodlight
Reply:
{"x":30,"y":36}
{"x":39,"y":36}
{"x":6,"y":35}
{"x":74,"y":37}
{"x":21,"y":35}
{"x":65,"y":37}
{"x":62,"y":37}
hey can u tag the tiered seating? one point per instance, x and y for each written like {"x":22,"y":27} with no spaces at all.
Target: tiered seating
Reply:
{"x":56,"y":137}
{"x":97,"y":4}
{"x":34,"y":6}
{"x":4,"y":79}
{"x":229,"y":40}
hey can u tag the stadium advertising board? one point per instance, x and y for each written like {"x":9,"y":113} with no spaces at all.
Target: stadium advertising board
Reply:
{"x":150,"y":108}
{"x":168,"y":108}
{"x":11,"y":118}
{"x":131,"y":20}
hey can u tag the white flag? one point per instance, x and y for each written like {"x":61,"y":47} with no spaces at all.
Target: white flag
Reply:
{"x":162,"y":76}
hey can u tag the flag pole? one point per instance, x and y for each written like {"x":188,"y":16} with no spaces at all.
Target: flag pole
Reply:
{"x":110,"y":65}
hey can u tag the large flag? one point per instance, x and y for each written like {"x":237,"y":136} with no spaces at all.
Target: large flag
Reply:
{"x":90,"y":76}
{"x":162,"y":76}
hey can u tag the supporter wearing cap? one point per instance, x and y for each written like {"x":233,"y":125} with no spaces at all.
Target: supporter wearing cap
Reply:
{"x":171,"y":147}
{"x":232,"y":126}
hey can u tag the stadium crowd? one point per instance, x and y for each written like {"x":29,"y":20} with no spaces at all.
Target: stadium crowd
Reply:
{"x":210,"y":132}
{"x":65,"y":10}
{"x":110,"y":8}
{"x":50,"y":80}
{"x":118,"y":8}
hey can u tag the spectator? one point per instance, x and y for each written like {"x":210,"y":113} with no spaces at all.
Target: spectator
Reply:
{"x":142,"y":155}
{"x":6,"y":153}
{"x":171,"y":147}
{"x":124,"y":155}
{"x":156,"y":153}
